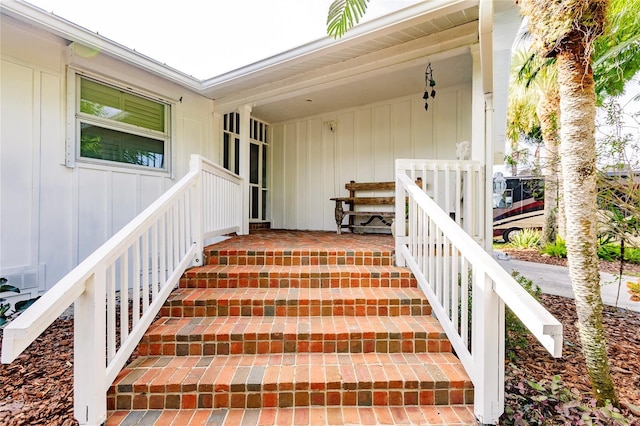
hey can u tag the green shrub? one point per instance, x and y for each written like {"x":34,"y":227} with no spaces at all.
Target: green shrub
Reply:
{"x":526,"y":239}
{"x":609,"y":252}
{"x":557,"y":249}
{"x":606,"y":251}
{"x":632,"y":255}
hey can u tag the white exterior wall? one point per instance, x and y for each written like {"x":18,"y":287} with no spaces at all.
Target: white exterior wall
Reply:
{"x":310,"y":163}
{"x":53,"y":216}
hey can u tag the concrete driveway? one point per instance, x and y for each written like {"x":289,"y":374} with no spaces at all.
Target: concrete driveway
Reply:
{"x":554,"y":279}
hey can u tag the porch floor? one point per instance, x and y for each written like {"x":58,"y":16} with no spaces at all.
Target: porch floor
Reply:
{"x":313,"y":240}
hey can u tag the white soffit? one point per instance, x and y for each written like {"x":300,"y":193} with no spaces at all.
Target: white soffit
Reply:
{"x":393,"y":30}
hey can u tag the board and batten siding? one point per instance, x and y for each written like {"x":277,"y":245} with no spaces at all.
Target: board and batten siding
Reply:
{"x":311,"y":164}
{"x":53,"y":216}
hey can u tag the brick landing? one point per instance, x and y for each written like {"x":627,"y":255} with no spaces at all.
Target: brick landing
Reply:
{"x":293,"y":327}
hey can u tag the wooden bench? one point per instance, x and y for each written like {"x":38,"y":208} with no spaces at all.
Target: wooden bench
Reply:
{"x":354,"y":200}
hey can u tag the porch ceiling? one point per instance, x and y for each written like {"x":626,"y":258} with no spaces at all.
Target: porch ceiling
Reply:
{"x":381,"y":59}
{"x":364,"y":89}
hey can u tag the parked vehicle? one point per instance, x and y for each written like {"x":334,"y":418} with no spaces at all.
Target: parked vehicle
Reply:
{"x":518,"y":203}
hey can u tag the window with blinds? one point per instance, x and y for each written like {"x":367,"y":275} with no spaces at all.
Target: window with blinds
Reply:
{"x":120,"y":126}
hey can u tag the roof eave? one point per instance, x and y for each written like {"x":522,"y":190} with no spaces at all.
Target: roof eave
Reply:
{"x":387,"y":22}
{"x":72,"y":32}
{"x":67,"y":30}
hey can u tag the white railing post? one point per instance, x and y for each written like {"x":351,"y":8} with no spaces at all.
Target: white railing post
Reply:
{"x":487,"y":349}
{"x":400,"y":218}
{"x":90,"y":404}
{"x":197,"y":215}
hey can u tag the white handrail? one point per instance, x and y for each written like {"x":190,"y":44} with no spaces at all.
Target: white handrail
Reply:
{"x":145,"y":259}
{"x":448,"y":263}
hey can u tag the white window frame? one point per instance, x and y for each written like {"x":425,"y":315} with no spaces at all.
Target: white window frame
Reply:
{"x":261,"y":139}
{"x":75,"y":118}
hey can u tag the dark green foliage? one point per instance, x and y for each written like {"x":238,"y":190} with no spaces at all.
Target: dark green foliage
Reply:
{"x":617,"y":51}
{"x":608,"y":252}
{"x":611,"y":252}
{"x":22,"y":305}
{"x":5,"y":314}
{"x":4,"y":307}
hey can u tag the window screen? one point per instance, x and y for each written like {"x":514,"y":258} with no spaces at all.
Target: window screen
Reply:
{"x":120,"y":126}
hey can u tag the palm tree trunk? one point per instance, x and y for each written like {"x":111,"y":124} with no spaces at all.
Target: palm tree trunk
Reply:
{"x":548,"y":110}
{"x":562,"y":217}
{"x":577,"y":131}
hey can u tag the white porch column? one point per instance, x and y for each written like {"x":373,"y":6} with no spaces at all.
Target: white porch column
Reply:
{"x":481,"y":146}
{"x":486,"y":65}
{"x":478,"y":143}
{"x":245,"y":122}
{"x":218,"y":129}
{"x":488,"y":308}
{"x":482,"y":132}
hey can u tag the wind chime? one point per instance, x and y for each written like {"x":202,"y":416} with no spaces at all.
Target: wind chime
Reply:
{"x":429,"y":83}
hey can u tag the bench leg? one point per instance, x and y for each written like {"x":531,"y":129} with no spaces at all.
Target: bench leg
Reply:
{"x":339,"y":215}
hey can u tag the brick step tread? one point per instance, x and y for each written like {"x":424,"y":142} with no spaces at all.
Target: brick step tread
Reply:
{"x":262,"y":276}
{"x":268,"y":335}
{"x":300,"y":270}
{"x":245,"y":301}
{"x":306,"y":256}
{"x":454,"y":415}
{"x":287,"y":380}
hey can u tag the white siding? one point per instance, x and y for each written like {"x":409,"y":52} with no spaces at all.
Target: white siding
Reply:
{"x":16,"y":164}
{"x":302,"y":212}
{"x":315,"y":173}
{"x":53,"y":216}
{"x":329,"y":184}
{"x":311,"y":163}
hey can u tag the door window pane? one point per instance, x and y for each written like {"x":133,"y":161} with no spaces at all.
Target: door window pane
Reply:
{"x":226,"y":154}
{"x":253,"y":175}
{"x":254,"y":202}
{"x":237,"y":156}
{"x":264,"y":205}
{"x":264,"y":166}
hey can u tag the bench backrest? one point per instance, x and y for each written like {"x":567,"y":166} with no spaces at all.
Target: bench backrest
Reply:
{"x":370,"y":186}
{"x":353,"y":186}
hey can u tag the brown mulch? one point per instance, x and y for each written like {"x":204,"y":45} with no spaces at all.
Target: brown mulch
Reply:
{"x":622,"y":328}
{"x":38,"y":387}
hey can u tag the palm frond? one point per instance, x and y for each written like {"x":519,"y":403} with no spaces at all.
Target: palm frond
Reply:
{"x":343,"y":15}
